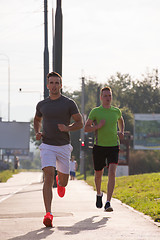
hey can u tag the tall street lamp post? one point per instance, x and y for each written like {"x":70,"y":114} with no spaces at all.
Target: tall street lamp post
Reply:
{"x":46,"y":52}
{"x":58,"y":39}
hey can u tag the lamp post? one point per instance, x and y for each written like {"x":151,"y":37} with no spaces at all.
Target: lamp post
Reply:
{"x":46,"y":52}
{"x":58,"y":39}
{"x":7,"y":59}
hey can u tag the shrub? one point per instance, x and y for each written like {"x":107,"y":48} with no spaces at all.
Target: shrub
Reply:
{"x":144,"y":162}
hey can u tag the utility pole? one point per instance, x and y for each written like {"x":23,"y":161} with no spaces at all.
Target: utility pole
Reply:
{"x":82,"y":165}
{"x":46,"y":52}
{"x":58,"y":39}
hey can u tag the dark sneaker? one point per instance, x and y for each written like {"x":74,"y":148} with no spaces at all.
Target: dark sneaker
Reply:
{"x":47,"y":221}
{"x":99,"y":203}
{"x":108,"y":207}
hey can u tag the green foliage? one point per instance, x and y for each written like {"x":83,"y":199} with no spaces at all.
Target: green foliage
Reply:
{"x":121,"y":85}
{"x":128,"y":119}
{"x":141,"y":96}
{"x":145,"y":95}
{"x":144,"y":162}
{"x":138,"y":191}
{"x":92,"y":95}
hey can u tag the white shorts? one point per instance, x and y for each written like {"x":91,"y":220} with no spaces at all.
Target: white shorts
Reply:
{"x":56,"y":156}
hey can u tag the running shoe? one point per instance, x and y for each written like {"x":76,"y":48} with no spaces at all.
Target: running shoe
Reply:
{"x":60,"y":189}
{"x":99,"y":203}
{"x":48,"y":218}
{"x":108,"y":207}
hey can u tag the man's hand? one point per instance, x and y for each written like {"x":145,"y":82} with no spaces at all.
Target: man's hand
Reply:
{"x":38,"y":136}
{"x":63,"y":128}
{"x":121,"y":135}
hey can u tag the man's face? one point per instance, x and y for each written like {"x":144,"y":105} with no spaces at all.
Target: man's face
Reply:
{"x":106,"y":97}
{"x":54,"y":85}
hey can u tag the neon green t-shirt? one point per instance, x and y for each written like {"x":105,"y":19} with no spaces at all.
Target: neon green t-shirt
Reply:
{"x":106,"y":136}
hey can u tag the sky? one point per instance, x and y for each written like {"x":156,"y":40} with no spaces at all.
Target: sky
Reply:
{"x":100,"y":38}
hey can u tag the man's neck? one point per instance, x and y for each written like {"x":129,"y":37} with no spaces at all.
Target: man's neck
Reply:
{"x":106,"y":106}
{"x":54,"y":97}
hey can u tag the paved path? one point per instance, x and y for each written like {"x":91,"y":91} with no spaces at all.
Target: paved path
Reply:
{"x":75,"y":215}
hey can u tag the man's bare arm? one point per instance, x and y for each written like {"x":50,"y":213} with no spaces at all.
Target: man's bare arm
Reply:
{"x":121,"y":126}
{"x":37,"y":127}
{"x":76,"y":125}
{"x":90,"y":127}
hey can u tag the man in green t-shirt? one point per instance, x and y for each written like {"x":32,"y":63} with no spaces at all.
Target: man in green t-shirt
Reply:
{"x":103,"y":121}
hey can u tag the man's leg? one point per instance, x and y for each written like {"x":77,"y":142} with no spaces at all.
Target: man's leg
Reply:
{"x":111,"y":180}
{"x":48,"y":186}
{"x":110,"y":187}
{"x":63,"y":179}
{"x":62,"y":165}
{"x":98,"y":179}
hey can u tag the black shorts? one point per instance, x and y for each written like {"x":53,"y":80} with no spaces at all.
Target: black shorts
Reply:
{"x":100,"y":154}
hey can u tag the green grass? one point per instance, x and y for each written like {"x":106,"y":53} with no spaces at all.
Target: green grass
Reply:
{"x":6,"y":174}
{"x":142,"y":192}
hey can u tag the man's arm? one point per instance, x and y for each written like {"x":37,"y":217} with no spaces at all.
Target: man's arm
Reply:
{"x":90,"y":127}
{"x":76,"y":125}
{"x":37,"y":127}
{"x":121,"y":127}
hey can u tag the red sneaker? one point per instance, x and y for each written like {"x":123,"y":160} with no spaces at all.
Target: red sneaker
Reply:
{"x":60,"y":189}
{"x":48,"y":218}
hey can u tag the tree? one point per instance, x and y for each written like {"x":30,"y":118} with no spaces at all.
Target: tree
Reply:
{"x":120,"y":85}
{"x":128,"y":119}
{"x":92,"y":95}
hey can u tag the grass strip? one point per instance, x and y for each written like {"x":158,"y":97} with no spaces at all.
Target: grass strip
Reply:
{"x":142,"y":192}
{"x":6,"y":174}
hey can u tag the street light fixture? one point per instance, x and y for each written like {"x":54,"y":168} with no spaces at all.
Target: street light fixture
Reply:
{"x":7,"y":59}
{"x":21,"y":91}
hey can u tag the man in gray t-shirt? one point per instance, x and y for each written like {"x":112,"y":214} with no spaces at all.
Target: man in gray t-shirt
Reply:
{"x":56,"y":112}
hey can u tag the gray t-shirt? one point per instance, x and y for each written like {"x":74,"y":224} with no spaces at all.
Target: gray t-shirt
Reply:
{"x":54,"y":112}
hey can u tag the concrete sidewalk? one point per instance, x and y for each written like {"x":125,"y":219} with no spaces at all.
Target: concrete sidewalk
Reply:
{"x":17,"y":183}
{"x":75,"y":215}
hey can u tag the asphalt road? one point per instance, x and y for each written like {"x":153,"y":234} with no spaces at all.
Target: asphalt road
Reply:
{"x":75,"y":215}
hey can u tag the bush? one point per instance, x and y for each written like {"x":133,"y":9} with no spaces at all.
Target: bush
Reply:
{"x":144,"y":161}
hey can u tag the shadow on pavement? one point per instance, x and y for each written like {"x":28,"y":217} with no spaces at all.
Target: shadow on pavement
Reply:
{"x":84,"y":225}
{"x":36,"y":235}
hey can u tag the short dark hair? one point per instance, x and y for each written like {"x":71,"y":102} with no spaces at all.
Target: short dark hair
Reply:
{"x":54,"y":74}
{"x":106,"y":89}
